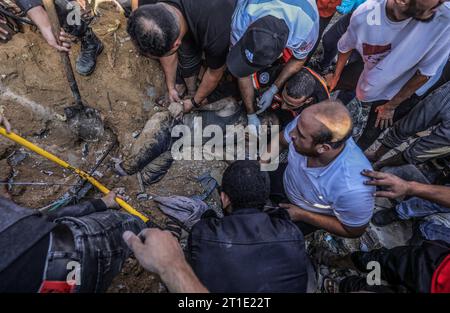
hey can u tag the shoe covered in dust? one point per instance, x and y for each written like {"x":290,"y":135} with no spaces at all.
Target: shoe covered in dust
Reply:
{"x":91,"y":47}
{"x":385,"y":217}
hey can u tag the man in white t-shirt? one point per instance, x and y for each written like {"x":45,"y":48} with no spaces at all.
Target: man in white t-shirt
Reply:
{"x":403,"y":43}
{"x":322,"y":180}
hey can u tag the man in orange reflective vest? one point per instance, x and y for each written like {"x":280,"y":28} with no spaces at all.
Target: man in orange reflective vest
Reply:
{"x":303,"y":89}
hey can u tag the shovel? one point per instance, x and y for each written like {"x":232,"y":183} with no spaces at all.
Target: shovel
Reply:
{"x":84,"y":121}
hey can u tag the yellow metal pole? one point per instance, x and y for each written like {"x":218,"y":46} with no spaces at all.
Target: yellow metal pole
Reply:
{"x":23,"y":142}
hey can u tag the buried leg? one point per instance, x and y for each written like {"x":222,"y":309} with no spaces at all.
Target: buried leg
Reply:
{"x":154,"y":140}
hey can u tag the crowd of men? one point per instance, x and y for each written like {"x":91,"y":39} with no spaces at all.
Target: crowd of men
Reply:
{"x":390,"y":56}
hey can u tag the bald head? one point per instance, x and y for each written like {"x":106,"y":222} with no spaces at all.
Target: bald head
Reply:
{"x":335,"y":122}
{"x":153,"y":28}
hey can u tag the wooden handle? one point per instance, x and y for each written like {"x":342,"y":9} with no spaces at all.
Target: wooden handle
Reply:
{"x":56,"y":26}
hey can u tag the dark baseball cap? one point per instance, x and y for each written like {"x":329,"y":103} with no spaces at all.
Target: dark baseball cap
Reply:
{"x":260,"y":46}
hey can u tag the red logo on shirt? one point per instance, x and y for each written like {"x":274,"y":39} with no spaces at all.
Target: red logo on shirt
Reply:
{"x":373,"y":54}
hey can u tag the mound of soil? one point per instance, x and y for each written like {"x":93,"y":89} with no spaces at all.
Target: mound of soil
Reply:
{"x":33,"y":95}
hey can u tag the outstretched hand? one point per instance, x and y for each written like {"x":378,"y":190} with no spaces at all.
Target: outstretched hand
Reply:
{"x":394,"y":187}
{"x":153,"y":248}
{"x":385,"y":117}
{"x":331,"y":80}
{"x":4,"y":35}
{"x":65,"y":39}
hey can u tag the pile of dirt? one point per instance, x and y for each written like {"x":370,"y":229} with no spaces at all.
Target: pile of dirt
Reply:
{"x":33,"y":95}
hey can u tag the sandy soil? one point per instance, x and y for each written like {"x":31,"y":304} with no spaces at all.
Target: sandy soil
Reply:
{"x":33,"y":95}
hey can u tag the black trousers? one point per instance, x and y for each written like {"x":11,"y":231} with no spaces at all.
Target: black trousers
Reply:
{"x":278,"y":195}
{"x":370,"y":132}
{"x":409,"y":266}
{"x":63,"y":9}
{"x":323,"y":23}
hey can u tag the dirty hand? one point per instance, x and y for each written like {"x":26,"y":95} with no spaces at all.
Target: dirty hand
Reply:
{"x":3,"y":32}
{"x":156,"y":251}
{"x":4,"y":122}
{"x":266,"y":100}
{"x":294,"y":211}
{"x":176,"y":110}
{"x":173,"y":95}
{"x":331,"y":80}
{"x":394,"y":187}
{"x":385,"y":117}
{"x":187,"y":105}
{"x":65,"y":39}
{"x":110,"y":201}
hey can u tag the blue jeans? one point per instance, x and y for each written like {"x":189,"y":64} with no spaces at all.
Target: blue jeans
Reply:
{"x":434,"y":231}
{"x":99,"y":246}
{"x":432,"y":228}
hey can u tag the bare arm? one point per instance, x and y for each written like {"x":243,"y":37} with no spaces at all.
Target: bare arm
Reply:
{"x":395,"y":187}
{"x":39,"y":16}
{"x":329,"y":223}
{"x":247,"y":93}
{"x":417,"y":81}
{"x":134,"y":4}
{"x":209,"y":82}
{"x":292,"y":66}
{"x":333,"y":79}
{"x":181,"y":279}
{"x":169,"y":65}
{"x":159,"y":252}
{"x":434,"y":193}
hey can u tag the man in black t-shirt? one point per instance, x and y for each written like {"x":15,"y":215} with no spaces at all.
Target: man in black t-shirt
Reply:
{"x":179,"y":33}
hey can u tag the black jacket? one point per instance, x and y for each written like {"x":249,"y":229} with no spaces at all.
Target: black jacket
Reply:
{"x":249,"y":251}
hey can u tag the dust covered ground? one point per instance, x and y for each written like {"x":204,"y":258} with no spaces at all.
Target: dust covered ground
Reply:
{"x":33,"y":95}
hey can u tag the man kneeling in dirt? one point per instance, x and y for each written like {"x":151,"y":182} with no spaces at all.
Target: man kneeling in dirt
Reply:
{"x":91,"y":46}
